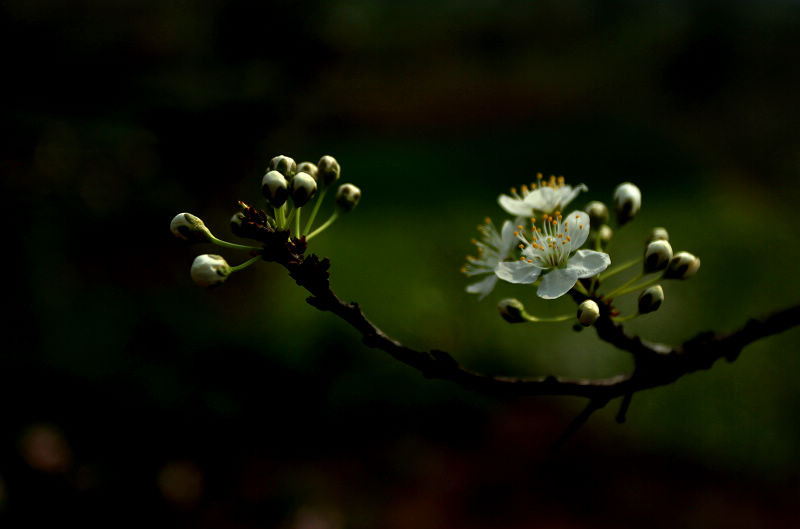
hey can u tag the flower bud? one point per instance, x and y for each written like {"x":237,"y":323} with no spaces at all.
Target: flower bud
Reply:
{"x":302,"y":188}
{"x":328,"y":170}
{"x":284,"y":165}
{"x":512,"y":310}
{"x":588,"y":312}
{"x":657,"y":234}
{"x":598,"y":213}
{"x":309,"y":168}
{"x":209,"y":270}
{"x":236,"y":223}
{"x":604,"y":233}
{"x":189,"y":227}
{"x":657,"y":256}
{"x":650,"y":299}
{"x":627,"y":202}
{"x":347,"y":196}
{"x":274,"y":187}
{"x":683,"y":265}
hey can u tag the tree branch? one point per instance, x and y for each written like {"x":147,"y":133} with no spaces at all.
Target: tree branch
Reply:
{"x":656,"y":364}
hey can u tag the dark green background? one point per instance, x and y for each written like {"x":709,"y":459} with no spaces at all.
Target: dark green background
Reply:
{"x":262,"y":412}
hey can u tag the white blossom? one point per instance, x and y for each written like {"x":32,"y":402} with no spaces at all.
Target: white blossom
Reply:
{"x":493,"y":249}
{"x":546,"y":196}
{"x":553,"y":254}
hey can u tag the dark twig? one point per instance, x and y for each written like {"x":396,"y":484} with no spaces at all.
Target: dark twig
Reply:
{"x":656,"y":364}
{"x":578,"y":421}
{"x":623,"y":407}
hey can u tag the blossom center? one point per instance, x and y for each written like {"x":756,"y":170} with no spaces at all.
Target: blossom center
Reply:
{"x":549,"y":245}
{"x":541,"y":182}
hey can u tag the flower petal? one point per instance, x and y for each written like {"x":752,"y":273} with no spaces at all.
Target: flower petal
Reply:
{"x":543,"y":199}
{"x":518,"y":272}
{"x":482,"y":288}
{"x":569,"y":194}
{"x":588,"y":263}
{"x":557,"y":283}
{"x":515,"y":206}
{"x":577,"y":224}
{"x":508,"y":239}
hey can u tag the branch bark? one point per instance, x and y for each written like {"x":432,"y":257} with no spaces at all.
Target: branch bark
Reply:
{"x":656,"y":364}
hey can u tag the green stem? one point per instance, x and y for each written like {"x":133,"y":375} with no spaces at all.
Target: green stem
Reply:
{"x":617,"y":290}
{"x":232,"y":245}
{"x":620,"y":291}
{"x":324,"y":226}
{"x":580,"y":288}
{"x":282,"y":216}
{"x":314,"y":211}
{"x":620,"y":268}
{"x":620,"y":319}
{"x":291,"y":216}
{"x":530,"y":318}
{"x":593,"y":285}
{"x":297,"y":223}
{"x":245,"y":264}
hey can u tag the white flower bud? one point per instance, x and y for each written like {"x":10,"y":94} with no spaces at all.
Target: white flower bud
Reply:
{"x":512,"y":310}
{"x":236,"y":223}
{"x":682,"y":266}
{"x":309,"y":168}
{"x":209,"y":270}
{"x":347,"y":196}
{"x":284,"y":165}
{"x":588,"y":312}
{"x":650,"y":299}
{"x":603,"y":233}
{"x":274,"y":187}
{"x":598,"y":213}
{"x":189,"y":227}
{"x":302,"y":188}
{"x":657,"y":234}
{"x":657,"y":256}
{"x":627,"y":202}
{"x":328,"y":170}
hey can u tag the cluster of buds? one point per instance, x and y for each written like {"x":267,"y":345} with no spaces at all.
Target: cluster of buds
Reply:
{"x":657,"y":258}
{"x":287,"y":187}
{"x":566,"y":254}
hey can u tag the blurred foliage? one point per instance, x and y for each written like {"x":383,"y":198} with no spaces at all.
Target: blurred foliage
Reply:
{"x":132,"y":394}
